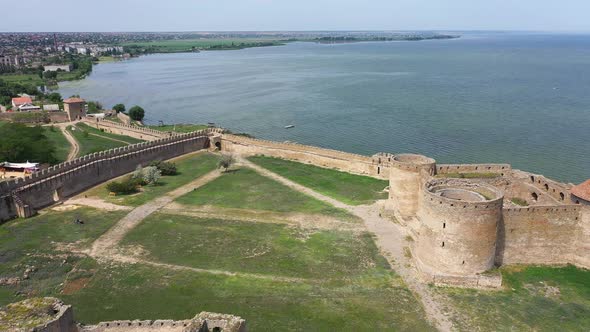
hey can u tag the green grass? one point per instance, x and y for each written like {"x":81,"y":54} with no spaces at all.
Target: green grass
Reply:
{"x":62,"y":146}
{"x":245,"y":189}
{"x":128,"y":139}
{"x":529,"y":302}
{"x":91,"y":143}
{"x":519,"y":201}
{"x":375,"y":302}
{"x":348,"y":188}
{"x":469,"y":175}
{"x":185,"y":45}
{"x":189,"y":168}
{"x":33,"y":242}
{"x":33,"y":79}
{"x":266,"y":248}
{"x":179,"y":128}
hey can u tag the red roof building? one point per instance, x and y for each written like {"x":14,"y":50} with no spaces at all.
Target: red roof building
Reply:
{"x":582,"y":191}
{"x":18,"y":101}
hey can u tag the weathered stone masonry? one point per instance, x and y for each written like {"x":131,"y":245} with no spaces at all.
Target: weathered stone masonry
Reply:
{"x":23,"y":196}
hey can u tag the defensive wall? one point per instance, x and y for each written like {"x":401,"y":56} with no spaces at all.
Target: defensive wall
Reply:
{"x":51,"y":185}
{"x":143,"y":133}
{"x":327,"y":158}
{"x":463,"y":227}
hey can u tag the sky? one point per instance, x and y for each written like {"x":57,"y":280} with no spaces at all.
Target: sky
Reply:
{"x":299,"y":15}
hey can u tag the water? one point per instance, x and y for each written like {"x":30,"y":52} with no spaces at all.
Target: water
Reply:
{"x":517,"y":98}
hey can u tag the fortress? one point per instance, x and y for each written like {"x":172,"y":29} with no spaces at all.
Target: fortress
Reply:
{"x":464,"y":219}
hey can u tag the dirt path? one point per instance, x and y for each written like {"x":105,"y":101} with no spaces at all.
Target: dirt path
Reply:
{"x":127,"y":259}
{"x":75,"y":147}
{"x":390,"y":239}
{"x":110,"y":239}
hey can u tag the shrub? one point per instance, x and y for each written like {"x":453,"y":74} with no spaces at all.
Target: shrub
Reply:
{"x":225,"y":162}
{"x":519,"y":201}
{"x":120,"y":108}
{"x":166,"y":168}
{"x":147,"y":175}
{"x":123,"y":187}
{"x":136,"y":113}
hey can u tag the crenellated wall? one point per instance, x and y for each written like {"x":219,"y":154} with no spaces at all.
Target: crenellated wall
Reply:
{"x":66,"y":179}
{"x":127,"y":130}
{"x":327,"y":158}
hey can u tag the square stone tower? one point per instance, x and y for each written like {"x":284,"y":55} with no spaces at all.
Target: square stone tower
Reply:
{"x":75,"y":108}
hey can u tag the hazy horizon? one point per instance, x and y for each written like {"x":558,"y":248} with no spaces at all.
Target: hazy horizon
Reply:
{"x":301,"y":15}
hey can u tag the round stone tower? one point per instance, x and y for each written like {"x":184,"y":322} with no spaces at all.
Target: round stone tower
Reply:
{"x":458,"y":231}
{"x":407,"y":174}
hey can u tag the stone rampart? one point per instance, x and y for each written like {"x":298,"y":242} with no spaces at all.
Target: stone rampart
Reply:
{"x":127,"y":130}
{"x":540,"y":235}
{"x":559,"y":191}
{"x":66,"y":179}
{"x":348,"y":162}
{"x":473,"y":168}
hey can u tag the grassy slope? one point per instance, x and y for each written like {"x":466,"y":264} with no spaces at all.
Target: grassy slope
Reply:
{"x":348,"y":188}
{"x":29,"y":242}
{"x":244,"y":188}
{"x":124,"y":292}
{"x":91,"y":144}
{"x":528,"y":304}
{"x":62,"y":146}
{"x":189,"y":167}
{"x":179,"y":128}
{"x":275,"y":249}
{"x":128,"y":139}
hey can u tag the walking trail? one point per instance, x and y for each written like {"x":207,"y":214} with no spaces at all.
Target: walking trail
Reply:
{"x":390,"y":238}
{"x":75,"y":147}
{"x":109,"y":240}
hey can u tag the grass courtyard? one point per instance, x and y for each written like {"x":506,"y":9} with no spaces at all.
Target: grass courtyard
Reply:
{"x":189,"y":167}
{"x":62,"y":146}
{"x":92,"y":140}
{"x":347,"y":188}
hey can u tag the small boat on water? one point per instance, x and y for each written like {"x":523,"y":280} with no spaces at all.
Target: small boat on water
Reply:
{"x":289,"y":126}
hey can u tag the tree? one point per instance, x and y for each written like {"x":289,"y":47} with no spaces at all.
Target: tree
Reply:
{"x":20,"y":143}
{"x":225,"y":162}
{"x":54,"y":97}
{"x":94,"y":107}
{"x":120,"y":108}
{"x":50,"y":75}
{"x":136,"y":113}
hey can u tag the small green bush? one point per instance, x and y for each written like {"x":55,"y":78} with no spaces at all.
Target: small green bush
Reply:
{"x":166,"y":168}
{"x":123,"y":187}
{"x":519,"y":201}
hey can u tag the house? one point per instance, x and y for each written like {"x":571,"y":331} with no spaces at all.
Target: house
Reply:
{"x":18,"y":101}
{"x":28,"y":107}
{"x":57,"y":67}
{"x":75,"y":107}
{"x":51,"y":108}
{"x":2,"y":108}
{"x":10,"y":170}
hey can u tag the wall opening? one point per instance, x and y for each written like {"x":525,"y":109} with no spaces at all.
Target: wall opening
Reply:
{"x":532,"y":178}
{"x":535,"y":196}
{"x":443,"y":244}
{"x":463,"y":263}
{"x":444,"y":225}
{"x":546,"y":187}
{"x":378,"y":170}
{"x":562,"y":196}
{"x":218,"y":145}
{"x":577,"y":202}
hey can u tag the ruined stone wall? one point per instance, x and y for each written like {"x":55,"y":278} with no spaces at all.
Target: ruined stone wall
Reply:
{"x":559,"y":191}
{"x":7,"y":208}
{"x":66,"y":179}
{"x":473,"y":168}
{"x":63,"y":322}
{"x":458,"y":237}
{"x":539,"y":235}
{"x":127,"y":130}
{"x":347,"y":162}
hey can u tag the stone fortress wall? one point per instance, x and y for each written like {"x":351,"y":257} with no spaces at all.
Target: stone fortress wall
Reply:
{"x":23,"y":196}
{"x":476,"y":219}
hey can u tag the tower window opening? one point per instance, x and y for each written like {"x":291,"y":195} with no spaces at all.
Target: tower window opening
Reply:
{"x":378,"y":170}
{"x":444,"y":225}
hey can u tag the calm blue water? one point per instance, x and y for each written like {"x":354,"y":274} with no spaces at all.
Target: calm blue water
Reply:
{"x":523,"y":99}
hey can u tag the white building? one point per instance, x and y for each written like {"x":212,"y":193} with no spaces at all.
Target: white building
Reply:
{"x":57,"y":67}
